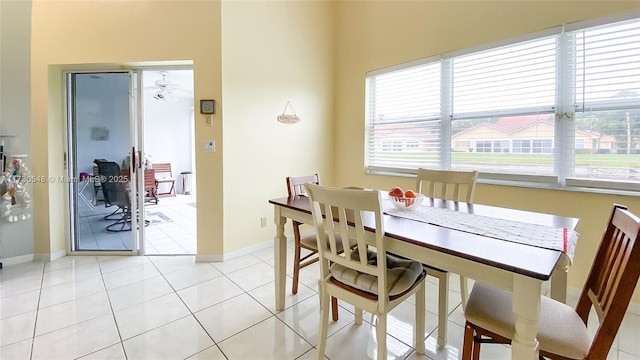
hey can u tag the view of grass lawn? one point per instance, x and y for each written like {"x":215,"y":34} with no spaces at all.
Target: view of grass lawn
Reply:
{"x":608,"y":160}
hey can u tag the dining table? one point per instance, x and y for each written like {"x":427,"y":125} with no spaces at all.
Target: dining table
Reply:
{"x":512,"y":265}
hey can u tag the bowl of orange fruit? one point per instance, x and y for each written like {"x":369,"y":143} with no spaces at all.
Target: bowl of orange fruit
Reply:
{"x":404,"y":199}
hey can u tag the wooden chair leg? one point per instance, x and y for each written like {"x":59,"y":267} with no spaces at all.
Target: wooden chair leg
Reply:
{"x":334,"y":308}
{"x":467,"y":345}
{"x":296,"y":269}
{"x":476,"y":349}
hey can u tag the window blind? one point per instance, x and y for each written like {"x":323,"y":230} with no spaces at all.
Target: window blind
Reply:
{"x":403,"y":116}
{"x":606,"y":93}
{"x":553,"y":106}
{"x":503,"y":104}
{"x":513,"y":79}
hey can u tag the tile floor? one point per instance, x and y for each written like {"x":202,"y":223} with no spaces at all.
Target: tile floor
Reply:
{"x":172,"y":230}
{"x":168,"y":307}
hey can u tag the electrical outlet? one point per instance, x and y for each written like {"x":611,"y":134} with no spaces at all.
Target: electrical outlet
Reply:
{"x":263,"y":222}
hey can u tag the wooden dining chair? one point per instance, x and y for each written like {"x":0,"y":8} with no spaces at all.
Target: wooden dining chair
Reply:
{"x":562,"y":330}
{"x":374,"y":281}
{"x":150,"y":185}
{"x":295,"y":187}
{"x":164,"y":176}
{"x":446,"y":185}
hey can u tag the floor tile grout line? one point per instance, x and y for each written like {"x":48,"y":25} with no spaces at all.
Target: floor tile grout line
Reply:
{"x":35,"y":322}
{"x":113,"y":314}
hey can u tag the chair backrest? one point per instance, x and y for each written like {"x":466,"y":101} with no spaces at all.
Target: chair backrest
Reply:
{"x":447,"y":184}
{"x":612,"y":279}
{"x":295,"y":184}
{"x":344,"y":212}
{"x":162,"y":168}
{"x":149,"y":179}
{"x":113,"y":186}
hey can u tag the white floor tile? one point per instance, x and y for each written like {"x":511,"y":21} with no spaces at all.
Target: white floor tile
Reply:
{"x":177,"y":340}
{"x":114,"y":352}
{"x":72,"y":312}
{"x":235,"y":264}
{"x":270,"y":339}
{"x":17,"y":351}
{"x":167,"y":264}
{"x":232,"y":316}
{"x":212,"y":353}
{"x":70,"y":274}
{"x":304,"y":319}
{"x":18,"y":304}
{"x":266,"y":295}
{"x":70,"y":262}
{"x":17,"y":328}
{"x":150,"y":314}
{"x":76,"y":341}
{"x":156,"y":320}
{"x":129,"y":275}
{"x":20,"y":285}
{"x":209,"y":293}
{"x":253,"y":276}
{"x":192,"y":275}
{"x":358,"y":342}
{"x":138,"y":292}
{"x":69,"y":291}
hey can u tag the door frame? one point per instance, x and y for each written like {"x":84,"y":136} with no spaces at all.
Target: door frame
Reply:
{"x":135,"y":120}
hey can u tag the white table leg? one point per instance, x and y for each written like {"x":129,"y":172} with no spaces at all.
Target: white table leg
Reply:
{"x":526,"y":307}
{"x":559,"y":280}
{"x":280,"y":257}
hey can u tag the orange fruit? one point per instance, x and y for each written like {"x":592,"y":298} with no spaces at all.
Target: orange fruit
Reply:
{"x":396,"y":192}
{"x":410,"y":194}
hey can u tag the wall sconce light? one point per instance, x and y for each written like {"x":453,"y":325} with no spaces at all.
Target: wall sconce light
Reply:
{"x":288,"y":118}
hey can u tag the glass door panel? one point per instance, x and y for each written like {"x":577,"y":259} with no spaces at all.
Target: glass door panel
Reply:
{"x":102,"y":130}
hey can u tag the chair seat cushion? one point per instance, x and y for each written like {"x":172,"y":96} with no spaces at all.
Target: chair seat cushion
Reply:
{"x":560,"y":329}
{"x":401,"y":274}
{"x":310,"y":242}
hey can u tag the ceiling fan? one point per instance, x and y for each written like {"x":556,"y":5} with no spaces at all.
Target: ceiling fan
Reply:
{"x":167,"y":90}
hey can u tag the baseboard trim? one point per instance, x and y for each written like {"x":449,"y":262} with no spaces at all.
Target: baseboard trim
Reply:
{"x":50,"y":256}
{"x":247,"y":250}
{"x":210,"y":258}
{"x":17,"y":260}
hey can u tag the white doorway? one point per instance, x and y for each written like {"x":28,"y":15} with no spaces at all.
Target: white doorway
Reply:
{"x":169,"y":139}
{"x":163,"y":133}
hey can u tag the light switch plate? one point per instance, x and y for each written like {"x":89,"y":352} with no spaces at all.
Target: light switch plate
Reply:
{"x":210,"y":146}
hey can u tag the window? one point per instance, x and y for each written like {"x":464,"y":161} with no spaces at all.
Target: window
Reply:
{"x":501,"y":146}
{"x":562,"y":105}
{"x":404,"y":108}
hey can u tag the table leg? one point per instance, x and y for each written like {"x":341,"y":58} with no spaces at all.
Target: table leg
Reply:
{"x":526,"y":307}
{"x":280,"y":257}
{"x":559,"y":280}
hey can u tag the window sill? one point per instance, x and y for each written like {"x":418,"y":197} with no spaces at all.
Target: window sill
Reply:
{"x":548,"y":186}
{"x":527,"y":184}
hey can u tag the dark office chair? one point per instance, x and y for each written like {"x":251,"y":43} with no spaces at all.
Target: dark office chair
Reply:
{"x":117,"y":213}
{"x":116,"y":193}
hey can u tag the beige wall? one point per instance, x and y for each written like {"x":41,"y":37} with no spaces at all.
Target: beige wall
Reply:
{"x":273,"y":51}
{"x":264,"y":52}
{"x":374,"y":35}
{"x":120,"y":33}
